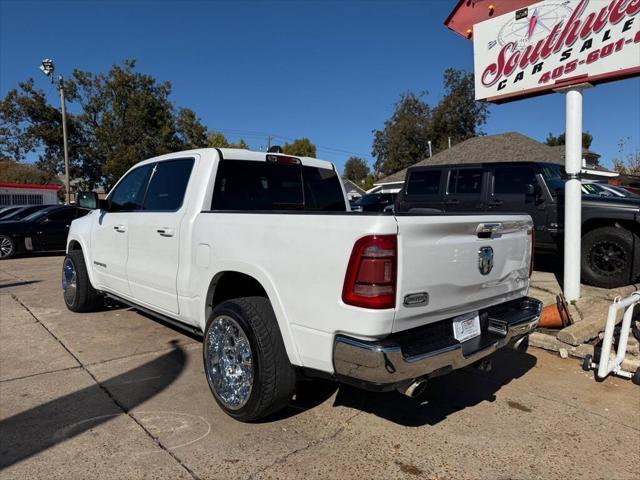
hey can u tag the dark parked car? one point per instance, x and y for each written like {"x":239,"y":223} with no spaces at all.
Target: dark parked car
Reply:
{"x":610,"y":225}
{"x":22,"y":212}
{"x":43,"y":230}
{"x":374,"y":202}
{"x":7,"y":211}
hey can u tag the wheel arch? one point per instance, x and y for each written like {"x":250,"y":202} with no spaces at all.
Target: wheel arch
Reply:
{"x":76,"y":243}
{"x":591,"y":224}
{"x":228,"y":284}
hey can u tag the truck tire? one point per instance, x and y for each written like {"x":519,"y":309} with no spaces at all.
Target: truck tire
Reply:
{"x":245,"y":361}
{"x":7,"y":247}
{"x":610,"y":257}
{"x":78,"y":293}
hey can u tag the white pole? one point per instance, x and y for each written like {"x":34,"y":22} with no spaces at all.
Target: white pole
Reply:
{"x":573,"y":194}
{"x":429,"y":142}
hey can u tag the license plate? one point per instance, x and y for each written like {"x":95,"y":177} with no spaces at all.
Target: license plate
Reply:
{"x":466,"y":326}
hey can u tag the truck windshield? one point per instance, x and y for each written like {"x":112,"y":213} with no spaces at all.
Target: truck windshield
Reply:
{"x":554,"y":176}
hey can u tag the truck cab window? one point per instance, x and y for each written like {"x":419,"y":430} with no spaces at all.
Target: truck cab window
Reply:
{"x":425,"y":182}
{"x":322,"y":190}
{"x":513,"y":180}
{"x":465,"y":181}
{"x":129,"y":193}
{"x":250,"y":185}
{"x":168,"y":185}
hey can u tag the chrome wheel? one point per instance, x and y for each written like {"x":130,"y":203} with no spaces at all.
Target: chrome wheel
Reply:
{"x":69,"y":281}
{"x":228,"y":362}
{"x":6,"y":247}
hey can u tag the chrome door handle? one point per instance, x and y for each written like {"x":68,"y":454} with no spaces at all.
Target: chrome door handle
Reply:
{"x":166,"y":232}
{"x":120,"y":228}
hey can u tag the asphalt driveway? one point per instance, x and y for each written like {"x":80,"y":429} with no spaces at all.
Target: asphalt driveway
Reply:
{"x":116,"y":394}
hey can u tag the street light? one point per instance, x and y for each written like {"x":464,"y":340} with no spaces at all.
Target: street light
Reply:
{"x":48,"y":68}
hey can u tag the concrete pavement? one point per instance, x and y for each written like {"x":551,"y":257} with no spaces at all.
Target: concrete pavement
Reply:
{"x":115,"y":394}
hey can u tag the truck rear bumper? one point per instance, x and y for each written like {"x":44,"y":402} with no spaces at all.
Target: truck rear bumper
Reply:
{"x":431,"y":350}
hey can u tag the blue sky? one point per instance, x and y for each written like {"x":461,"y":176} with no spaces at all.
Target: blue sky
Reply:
{"x":327,"y":70}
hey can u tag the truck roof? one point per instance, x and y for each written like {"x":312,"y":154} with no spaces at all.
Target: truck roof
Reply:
{"x":241,"y":154}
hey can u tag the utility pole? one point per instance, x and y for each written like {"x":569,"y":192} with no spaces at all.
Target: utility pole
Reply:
{"x":269,"y":137}
{"x":429,"y":142}
{"x":64,"y":138}
{"x":449,"y":141}
{"x":48,"y":68}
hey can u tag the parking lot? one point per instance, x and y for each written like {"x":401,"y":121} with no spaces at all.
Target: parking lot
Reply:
{"x":116,"y":394}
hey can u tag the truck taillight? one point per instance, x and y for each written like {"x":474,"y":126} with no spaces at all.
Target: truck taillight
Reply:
{"x":532,"y":232}
{"x":370,"y":281}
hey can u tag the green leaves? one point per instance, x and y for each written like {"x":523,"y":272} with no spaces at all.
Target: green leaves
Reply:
{"x":121,"y":117}
{"x":356,"y":170}
{"x":404,"y":140}
{"x":301,"y":147}
{"x":553,"y":141}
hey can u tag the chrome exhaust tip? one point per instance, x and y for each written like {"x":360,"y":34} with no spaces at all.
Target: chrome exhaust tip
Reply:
{"x":414,"y":389}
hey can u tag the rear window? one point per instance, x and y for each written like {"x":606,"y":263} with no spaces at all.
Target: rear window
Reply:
{"x":322,"y":190}
{"x":424,"y":182}
{"x":250,"y":185}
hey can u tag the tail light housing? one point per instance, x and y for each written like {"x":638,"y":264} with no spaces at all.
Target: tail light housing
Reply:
{"x":370,"y":281}
{"x":532,"y":232}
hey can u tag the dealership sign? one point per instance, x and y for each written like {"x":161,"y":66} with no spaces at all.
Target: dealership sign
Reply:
{"x":554,"y":44}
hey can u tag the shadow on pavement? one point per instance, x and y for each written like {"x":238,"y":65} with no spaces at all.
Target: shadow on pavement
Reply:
{"x":42,"y":427}
{"x":444,"y":395}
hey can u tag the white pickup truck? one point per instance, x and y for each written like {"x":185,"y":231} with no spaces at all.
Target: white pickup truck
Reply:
{"x":260,"y":254}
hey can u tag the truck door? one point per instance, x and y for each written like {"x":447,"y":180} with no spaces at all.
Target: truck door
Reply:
{"x":515,"y":189}
{"x":109,"y":235}
{"x":464,"y":190}
{"x":154,"y":237}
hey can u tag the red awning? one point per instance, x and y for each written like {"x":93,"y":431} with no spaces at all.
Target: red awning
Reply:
{"x":469,"y":12}
{"x":27,"y":185}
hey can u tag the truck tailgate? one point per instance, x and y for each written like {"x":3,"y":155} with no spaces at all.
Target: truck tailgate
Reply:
{"x":440,"y":256}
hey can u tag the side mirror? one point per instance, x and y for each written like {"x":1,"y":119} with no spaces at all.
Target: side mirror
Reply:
{"x":88,"y":200}
{"x":529,"y":189}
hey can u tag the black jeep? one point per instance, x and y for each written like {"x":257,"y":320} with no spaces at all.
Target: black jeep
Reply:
{"x":610,"y":225}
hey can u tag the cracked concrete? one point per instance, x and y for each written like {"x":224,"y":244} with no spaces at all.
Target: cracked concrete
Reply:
{"x":115,"y":394}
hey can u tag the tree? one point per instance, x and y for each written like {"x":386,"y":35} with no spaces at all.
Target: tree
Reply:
{"x":458,"y":115}
{"x":126,"y":116}
{"x":356,"y":169}
{"x":218,"y":140}
{"x":14,"y":172}
{"x":627,"y":163}
{"x":404,"y":139}
{"x":30,"y":124}
{"x":368,"y":182}
{"x":190,"y":131}
{"x":301,"y":147}
{"x":123,"y":116}
{"x":553,"y":141}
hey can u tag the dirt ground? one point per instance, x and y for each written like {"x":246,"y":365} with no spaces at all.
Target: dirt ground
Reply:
{"x":115,"y":394}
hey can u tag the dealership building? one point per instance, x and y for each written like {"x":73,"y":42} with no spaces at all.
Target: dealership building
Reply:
{"x":12,"y":194}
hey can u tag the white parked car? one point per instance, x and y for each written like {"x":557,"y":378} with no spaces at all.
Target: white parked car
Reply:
{"x":259,"y":253}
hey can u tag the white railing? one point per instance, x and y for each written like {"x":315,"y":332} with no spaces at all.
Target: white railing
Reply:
{"x":608,"y":364}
